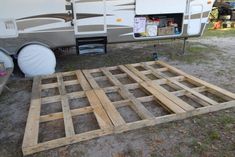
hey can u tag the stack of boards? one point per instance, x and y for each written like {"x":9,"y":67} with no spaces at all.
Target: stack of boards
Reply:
{"x":154,"y":92}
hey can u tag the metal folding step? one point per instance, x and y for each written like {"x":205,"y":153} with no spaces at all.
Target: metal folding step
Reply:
{"x":91,"y":45}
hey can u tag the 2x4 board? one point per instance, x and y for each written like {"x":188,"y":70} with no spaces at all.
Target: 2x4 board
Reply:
{"x":155,"y":91}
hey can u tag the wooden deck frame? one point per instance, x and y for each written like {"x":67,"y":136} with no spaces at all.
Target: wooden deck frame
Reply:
{"x":106,"y":110}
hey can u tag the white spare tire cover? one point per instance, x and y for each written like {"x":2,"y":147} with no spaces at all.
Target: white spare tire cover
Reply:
{"x":7,"y":60}
{"x":36,"y":60}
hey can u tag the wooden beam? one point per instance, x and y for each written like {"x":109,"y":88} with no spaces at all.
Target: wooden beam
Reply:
{"x":136,"y":105}
{"x":59,"y":115}
{"x":82,"y":80}
{"x":101,"y":116}
{"x":68,"y":122}
{"x":203,"y":83}
{"x":32,"y":126}
{"x":161,"y":90}
{"x":90,"y":79}
{"x":163,"y":99}
{"x":110,"y":109}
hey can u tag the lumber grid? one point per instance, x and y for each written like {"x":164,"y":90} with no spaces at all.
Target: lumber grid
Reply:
{"x":158,"y":82}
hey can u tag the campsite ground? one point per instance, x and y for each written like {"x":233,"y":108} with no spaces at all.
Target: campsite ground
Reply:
{"x":210,"y":58}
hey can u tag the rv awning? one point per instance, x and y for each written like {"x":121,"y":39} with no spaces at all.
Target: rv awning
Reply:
{"x":148,"y":7}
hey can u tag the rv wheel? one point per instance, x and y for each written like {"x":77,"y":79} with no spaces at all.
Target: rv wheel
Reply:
{"x":35,"y":60}
{"x":6,"y":59}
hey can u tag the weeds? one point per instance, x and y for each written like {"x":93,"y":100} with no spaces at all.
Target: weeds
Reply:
{"x":214,"y":135}
{"x":225,"y":120}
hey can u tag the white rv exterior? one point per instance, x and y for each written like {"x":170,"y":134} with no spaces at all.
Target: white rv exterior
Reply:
{"x":49,"y":23}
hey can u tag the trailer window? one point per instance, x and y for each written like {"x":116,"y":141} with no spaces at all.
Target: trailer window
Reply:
{"x":158,"y":25}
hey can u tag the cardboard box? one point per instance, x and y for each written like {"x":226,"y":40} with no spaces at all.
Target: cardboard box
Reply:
{"x":166,"y":31}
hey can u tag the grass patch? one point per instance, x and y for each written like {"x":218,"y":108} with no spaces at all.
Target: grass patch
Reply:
{"x":225,"y":120}
{"x":214,"y":135}
{"x":180,"y":155}
{"x":209,"y":32}
{"x":69,"y":67}
{"x":199,"y":147}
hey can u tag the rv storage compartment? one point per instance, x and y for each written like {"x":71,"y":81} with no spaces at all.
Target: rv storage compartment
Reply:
{"x":91,"y":45}
{"x":160,"y":25}
{"x":150,"y":7}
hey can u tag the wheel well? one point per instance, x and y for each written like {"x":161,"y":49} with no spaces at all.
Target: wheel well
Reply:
{"x":5,"y":51}
{"x":31,"y":43}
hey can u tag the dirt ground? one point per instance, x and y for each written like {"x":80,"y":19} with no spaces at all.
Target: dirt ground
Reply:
{"x":212,"y":135}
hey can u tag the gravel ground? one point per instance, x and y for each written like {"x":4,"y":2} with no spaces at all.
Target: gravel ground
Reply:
{"x":213,"y":135}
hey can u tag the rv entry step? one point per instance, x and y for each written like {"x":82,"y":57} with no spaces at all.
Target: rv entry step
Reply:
{"x":91,"y":45}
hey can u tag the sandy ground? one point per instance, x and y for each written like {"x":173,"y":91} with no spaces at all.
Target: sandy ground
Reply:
{"x":212,"y":135}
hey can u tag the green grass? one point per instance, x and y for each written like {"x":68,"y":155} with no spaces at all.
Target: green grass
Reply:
{"x":199,"y":147}
{"x":214,"y":135}
{"x":228,"y":32}
{"x":226,"y":120}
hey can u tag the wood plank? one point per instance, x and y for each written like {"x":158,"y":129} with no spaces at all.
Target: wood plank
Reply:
{"x":82,"y":80}
{"x":71,"y":82}
{"x":51,"y":117}
{"x":181,"y":103}
{"x":130,"y":74}
{"x":184,"y":92}
{"x":32,"y":126}
{"x":57,"y":98}
{"x":164,"y":81}
{"x":164,"y":92}
{"x":52,"y":99}
{"x":76,"y":95}
{"x":218,"y":89}
{"x":132,"y":86}
{"x":108,"y":118}
{"x":90,"y":79}
{"x":48,"y":76}
{"x":146,"y":98}
{"x":65,"y":141}
{"x":200,"y":101}
{"x":121,"y":75}
{"x":111,"y":78}
{"x":111,"y":111}
{"x":199,"y":95}
{"x":48,"y":86}
{"x":174,"y":117}
{"x":100,"y":78}
{"x":164,"y":100}
{"x":219,"y":94}
{"x":68,"y":122}
{"x":121,"y":103}
{"x":101,"y":116}
{"x":136,"y":72}
{"x":136,"y":105}
{"x":68,"y":73}
{"x":176,"y":99}
{"x":131,"y":126}
{"x":59,"y":115}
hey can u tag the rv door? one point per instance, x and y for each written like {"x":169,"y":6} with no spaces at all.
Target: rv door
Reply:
{"x":89,"y":18}
{"x":195,"y":18}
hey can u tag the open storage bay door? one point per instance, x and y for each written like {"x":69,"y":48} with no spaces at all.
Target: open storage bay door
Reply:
{"x":148,"y":7}
{"x":159,"y":18}
{"x":89,"y":18}
{"x":195,"y":17}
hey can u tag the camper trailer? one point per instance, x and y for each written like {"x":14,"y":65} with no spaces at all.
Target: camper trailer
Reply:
{"x":59,"y":23}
